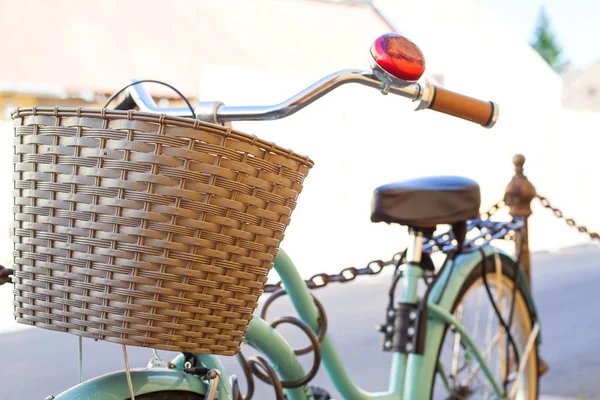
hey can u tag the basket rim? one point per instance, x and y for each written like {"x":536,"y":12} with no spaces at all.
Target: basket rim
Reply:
{"x":109,"y":114}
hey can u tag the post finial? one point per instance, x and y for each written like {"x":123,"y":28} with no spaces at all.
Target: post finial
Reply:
{"x":518,"y":160}
{"x":519,"y":192}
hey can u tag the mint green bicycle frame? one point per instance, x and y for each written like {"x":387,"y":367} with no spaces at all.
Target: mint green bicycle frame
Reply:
{"x":411,"y":375}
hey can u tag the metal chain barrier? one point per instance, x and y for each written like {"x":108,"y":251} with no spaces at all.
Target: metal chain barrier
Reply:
{"x":346,"y":275}
{"x":373,"y":268}
{"x":570,"y":221}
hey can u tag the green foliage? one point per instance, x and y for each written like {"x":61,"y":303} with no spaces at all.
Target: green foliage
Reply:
{"x":545,"y":42}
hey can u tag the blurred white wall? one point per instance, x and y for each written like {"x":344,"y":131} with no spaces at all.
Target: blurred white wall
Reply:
{"x":6,"y":200}
{"x":360,"y":139}
{"x":7,"y":323}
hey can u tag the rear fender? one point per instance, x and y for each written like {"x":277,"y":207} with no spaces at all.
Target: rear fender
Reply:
{"x":453,"y":278}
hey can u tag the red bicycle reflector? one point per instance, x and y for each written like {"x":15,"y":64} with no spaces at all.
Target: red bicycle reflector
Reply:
{"x":398,"y":56}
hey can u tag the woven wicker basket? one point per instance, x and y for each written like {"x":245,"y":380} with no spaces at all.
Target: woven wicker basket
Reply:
{"x":143,"y":229}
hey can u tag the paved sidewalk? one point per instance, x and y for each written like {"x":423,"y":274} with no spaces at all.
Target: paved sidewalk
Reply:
{"x":556,"y":398}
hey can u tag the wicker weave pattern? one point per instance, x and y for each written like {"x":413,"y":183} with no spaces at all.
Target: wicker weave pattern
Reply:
{"x":146,"y":230}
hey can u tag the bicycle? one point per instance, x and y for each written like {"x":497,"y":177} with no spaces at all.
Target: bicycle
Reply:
{"x":421,"y":330}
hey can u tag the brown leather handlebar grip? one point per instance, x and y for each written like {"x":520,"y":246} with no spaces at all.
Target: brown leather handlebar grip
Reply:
{"x":484,"y":113}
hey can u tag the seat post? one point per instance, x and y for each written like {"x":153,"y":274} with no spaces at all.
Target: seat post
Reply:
{"x":415,"y":246}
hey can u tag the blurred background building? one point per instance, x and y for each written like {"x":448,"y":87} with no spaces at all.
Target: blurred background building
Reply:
{"x":254,"y":52}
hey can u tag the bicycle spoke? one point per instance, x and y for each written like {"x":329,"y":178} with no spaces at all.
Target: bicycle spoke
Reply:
{"x":488,"y":332}
{"x":444,"y":378}
{"x":488,"y":336}
{"x":528,"y":347}
{"x":477,"y":314}
{"x":477,"y":367}
{"x":456,"y":349}
{"x":499,"y":301}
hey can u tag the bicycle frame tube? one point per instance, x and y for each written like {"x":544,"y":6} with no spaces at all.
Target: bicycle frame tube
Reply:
{"x":302,"y":301}
{"x":262,"y":336}
{"x":410,"y":375}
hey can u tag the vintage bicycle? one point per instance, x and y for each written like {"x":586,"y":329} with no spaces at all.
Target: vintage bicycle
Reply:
{"x":158,"y":227}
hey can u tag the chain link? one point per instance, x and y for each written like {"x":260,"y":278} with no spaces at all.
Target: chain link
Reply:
{"x":570,"y":221}
{"x":492,"y":210}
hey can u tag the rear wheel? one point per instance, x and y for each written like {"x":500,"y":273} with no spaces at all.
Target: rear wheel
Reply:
{"x":170,"y":395}
{"x":475,"y":312}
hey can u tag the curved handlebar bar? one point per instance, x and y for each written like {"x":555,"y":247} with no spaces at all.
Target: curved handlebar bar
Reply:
{"x":310,"y":94}
{"x":220,"y":113}
{"x":426,"y":94}
{"x":396,"y":66}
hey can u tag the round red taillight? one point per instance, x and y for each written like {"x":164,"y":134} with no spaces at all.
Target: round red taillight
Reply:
{"x":398,"y":56}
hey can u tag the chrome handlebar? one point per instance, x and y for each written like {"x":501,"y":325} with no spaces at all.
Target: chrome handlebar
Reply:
{"x":217,"y":112}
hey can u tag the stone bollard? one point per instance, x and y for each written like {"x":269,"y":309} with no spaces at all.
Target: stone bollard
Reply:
{"x":518,"y":196}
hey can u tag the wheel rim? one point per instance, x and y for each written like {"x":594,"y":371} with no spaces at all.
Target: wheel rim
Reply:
{"x":476,"y":314}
